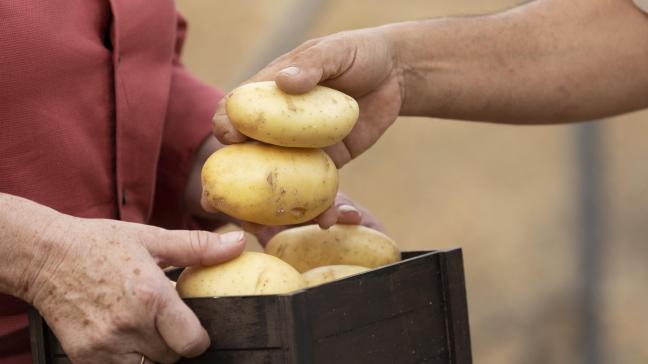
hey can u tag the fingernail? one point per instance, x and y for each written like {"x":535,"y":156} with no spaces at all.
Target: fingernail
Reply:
{"x":348,"y":208}
{"x":231,"y":238}
{"x":290,"y":71}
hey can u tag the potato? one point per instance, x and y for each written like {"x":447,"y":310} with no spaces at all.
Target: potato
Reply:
{"x":329,"y":273}
{"x":270,"y":185}
{"x":309,"y":246}
{"x":251,"y":273}
{"x":316,"y":119}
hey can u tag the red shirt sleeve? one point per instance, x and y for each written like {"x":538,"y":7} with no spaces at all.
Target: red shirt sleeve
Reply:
{"x":191,"y":106}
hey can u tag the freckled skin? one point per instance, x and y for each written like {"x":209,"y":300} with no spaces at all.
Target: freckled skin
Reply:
{"x":98,"y":285}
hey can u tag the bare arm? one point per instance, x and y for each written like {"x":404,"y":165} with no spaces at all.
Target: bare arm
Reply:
{"x":548,"y":61}
{"x":98,"y":285}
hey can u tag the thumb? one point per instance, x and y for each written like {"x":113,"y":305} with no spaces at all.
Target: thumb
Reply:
{"x":298,"y":79}
{"x":196,"y":247}
{"x":313,"y":65}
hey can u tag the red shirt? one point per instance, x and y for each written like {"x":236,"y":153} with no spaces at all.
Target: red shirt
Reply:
{"x":98,"y":118}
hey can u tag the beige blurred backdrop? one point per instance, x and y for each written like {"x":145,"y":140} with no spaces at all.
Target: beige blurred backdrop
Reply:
{"x":507,"y":195}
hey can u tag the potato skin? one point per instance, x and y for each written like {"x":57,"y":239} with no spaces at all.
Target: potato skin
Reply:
{"x":270,"y":185}
{"x":316,"y":119}
{"x":330,"y":273}
{"x":251,"y":273}
{"x":308,"y":247}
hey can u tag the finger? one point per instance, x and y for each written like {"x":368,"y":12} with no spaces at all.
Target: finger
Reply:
{"x":343,"y":211}
{"x":196,"y":247}
{"x":156,"y":350}
{"x":314,"y":65}
{"x":339,"y":154}
{"x":263,"y":233}
{"x":372,"y":124}
{"x":180,"y":328}
{"x":349,"y":215}
{"x":348,"y":212}
{"x":328,"y":218}
{"x":269,"y":72}
{"x":223,"y":128}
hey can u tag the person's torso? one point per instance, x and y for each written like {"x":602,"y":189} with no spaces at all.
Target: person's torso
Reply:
{"x":83,"y":94}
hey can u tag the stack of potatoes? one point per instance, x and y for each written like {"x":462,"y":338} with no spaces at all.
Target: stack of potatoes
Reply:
{"x":285,"y":180}
{"x":289,"y":180}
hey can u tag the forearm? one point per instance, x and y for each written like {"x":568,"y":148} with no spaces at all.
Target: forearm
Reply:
{"x":23,"y":226}
{"x":547,"y":61}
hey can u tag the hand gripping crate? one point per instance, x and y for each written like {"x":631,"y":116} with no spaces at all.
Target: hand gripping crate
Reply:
{"x":412,"y":311}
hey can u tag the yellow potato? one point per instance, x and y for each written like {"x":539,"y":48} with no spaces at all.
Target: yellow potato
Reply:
{"x":309,"y":246}
{"x":251,"y":273}
{"x":270,"y":185}
{"x":316,"y":119}
{"x":329,"y":273}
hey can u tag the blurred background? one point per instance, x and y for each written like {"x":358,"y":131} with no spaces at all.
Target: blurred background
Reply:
{"x":553,"y":220}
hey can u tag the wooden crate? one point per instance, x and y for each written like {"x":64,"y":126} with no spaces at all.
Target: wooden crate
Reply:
{"x":413,"y":311}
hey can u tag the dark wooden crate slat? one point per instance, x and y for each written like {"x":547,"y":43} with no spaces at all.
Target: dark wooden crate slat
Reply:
{"x":413,"y":337}
{"x":60,"y":360}
{"x":239,"y":357}
{"x":242,"y":322}
{"x":373,"y":296}
{"x":414,"y":254}
{"x":55,"y":345}
{"x":37,"y":335}
{"x":456,"y":306}
{"x":299,"y":333}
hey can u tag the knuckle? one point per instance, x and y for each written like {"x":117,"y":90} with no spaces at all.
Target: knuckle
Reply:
{"x":199,"y":242}
{"x":147,"y":295}
{"x":219,"y":129}
{"x":95,"y":342}
{"x":120,"y":322}
{"x":310,"y":43}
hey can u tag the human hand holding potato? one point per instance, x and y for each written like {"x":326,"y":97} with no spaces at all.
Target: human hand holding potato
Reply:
{"x":359,"y":63}
{"x":288,"y":181}
{"x":99,"y":286}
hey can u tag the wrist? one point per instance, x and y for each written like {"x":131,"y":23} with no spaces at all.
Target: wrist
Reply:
{"x":393,"y":36}
{"x":411,"y":64}
{"x":25,"y":240}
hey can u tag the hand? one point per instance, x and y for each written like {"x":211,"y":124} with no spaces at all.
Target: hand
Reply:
{"x":343,"y":211}
{"x":360,"y":63}
{"x":102,"y":291}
